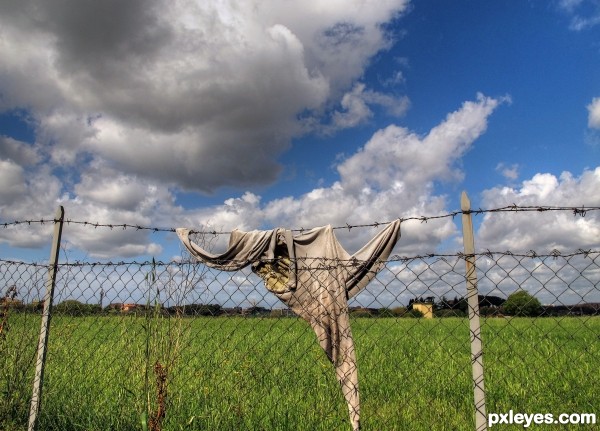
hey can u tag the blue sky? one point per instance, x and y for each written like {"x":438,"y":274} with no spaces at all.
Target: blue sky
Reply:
{"x":298,"y":114}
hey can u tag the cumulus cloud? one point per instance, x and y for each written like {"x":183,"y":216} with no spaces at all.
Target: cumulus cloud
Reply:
{"x":393,"y":175}
{"x":105,"y":195}
{"x":23,"y":193}
{"x":355,"y":107}
{"x":17,"y":151}
{"x":183,"y":91}
{"x":594,"y":113}
{"x":543,"y":231}
{"x":136,"y":102}
{"x":102,"y":195}
{"x":397,"y":156}
{"x":12,"y":178}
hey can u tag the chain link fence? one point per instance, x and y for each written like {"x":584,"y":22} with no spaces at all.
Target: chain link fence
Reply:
{"x":181,"y":346}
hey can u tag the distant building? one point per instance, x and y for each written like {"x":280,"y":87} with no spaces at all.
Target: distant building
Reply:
{"x":129,"y":307}
{"x":424,"y":307}
{"x":117,"y":306}
{"x":124,"y":308}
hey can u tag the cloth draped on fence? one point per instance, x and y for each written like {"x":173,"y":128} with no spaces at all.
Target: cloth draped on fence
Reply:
{"x":314,"y":276}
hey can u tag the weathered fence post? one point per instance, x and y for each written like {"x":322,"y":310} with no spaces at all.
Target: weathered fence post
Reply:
{"x":474,"y":324}
{"x":36,"y":397}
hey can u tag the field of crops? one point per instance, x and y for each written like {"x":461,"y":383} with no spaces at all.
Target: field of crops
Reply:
{"x":236,"y":373}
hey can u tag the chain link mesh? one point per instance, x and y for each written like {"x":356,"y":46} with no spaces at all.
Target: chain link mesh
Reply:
{"x":178,"y":345}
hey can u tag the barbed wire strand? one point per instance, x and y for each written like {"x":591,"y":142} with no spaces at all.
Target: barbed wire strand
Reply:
{"x":577,"y":211}
{"x":395,"y":258}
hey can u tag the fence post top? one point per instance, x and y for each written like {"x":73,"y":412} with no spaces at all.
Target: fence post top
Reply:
{"x":465,"y":202}
{"x":60,"y":213}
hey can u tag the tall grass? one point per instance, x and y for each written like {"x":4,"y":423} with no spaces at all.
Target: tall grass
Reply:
{"x":236,"y":373}
{"x":163,"y":336}
{"x":18,"y":342}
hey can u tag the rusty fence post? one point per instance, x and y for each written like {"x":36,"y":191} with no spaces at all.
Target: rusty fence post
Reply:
{"x":36,"y":397}
{"x":474,"y":323}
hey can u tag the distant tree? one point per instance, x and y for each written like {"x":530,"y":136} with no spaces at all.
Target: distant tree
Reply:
{"x":399,"y":311}
{"x":444,"y":303}
{"x":522,"y":303}
{"x":489,"y":310}
{"x":413,"y":313}
{"x":71,"y":307}
{"x":384,"y":312}
{"x":461,"y":304}
{"x":449,"y":312}
{"x":490,"y":301}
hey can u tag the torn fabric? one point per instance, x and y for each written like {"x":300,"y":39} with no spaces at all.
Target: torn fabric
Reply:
{"x":314,"y":276}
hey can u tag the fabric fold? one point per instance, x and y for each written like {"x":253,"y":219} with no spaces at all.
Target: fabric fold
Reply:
{"x":314,"y":276}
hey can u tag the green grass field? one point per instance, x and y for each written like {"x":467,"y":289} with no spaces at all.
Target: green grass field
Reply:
{"x":234,"y":373}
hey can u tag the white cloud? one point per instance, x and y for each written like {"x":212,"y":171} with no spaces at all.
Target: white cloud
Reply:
{"x":581,"y":23}
{"x":103,"y":186}
{"x":102,"y":195}
{"x":17,"y":151}
{"x":594,"y":113}
{"x":391,"y":176}
{"x":355,"y":108}
{"x":542,"y":231}
{"x":183,"y":94}
{"x":509,"y":172}
{"x":355,"y":105}
{"x":583,"y":14}
{"x":12,"y":180}
{"x":161,"y":83}
{"x":396,"y":156}
{"x":394,"y":106}
{"x":24,"y":195}
{"x":64,"y":134}
{"x":30,"y":191}
{"x":397,"y":79}
{"x":569,"y":5}
{"x":134,"y":102}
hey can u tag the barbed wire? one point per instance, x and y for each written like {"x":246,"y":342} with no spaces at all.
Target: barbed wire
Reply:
{"x":577,"y":211}
{"x":395,"y":258}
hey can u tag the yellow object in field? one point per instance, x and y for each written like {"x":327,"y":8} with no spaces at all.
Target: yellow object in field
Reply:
{"x":425,"y":308}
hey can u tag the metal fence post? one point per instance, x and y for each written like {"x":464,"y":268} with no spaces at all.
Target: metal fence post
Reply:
{"x":36,"y":397}
{"x":474,"y":324}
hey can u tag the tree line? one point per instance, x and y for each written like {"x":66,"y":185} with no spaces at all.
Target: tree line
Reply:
{"x":519,"y":303}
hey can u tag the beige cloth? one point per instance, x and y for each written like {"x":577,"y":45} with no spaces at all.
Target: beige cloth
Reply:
{"x":315,"y":277}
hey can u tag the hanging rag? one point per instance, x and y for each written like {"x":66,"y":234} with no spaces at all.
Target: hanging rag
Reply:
{"x":315,"y":277}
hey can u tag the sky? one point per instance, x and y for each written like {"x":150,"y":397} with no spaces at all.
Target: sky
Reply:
{"x":257,"y":114}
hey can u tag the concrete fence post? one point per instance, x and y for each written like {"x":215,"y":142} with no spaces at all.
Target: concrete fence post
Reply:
{"x":36,"y":397}
{"x":474,"y":323}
